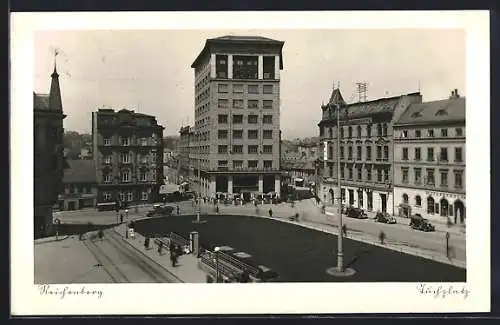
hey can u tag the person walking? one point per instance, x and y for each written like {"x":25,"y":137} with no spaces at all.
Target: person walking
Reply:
{"x":160,"y":247}
{"x":121,"y":218}
{"x":101,"y":235}
{"x":173,"y":257}
{"x":381,"y":236}
{"x":146,"y":243}
{"x":344,"y":230}
{"x":178,"y":210}
{"x":270,"y":213}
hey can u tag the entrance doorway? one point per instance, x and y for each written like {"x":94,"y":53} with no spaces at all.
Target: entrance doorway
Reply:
{"x":383,"y":199}
{"x":71,"y":205}
{"x":459,"y":211}
{"x":444,"y":208}
{"x":369,"y":201}
{"x":351,"y":197}
{"x":360,"y":199}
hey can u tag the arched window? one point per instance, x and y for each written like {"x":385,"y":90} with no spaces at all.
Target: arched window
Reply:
{"x":341,"y":132}
{"x":379,"y":130}
{"x":405,"y":198}
{"x":331,"y":133}
{"x":430,"y":205}
{"x":349,"y":132}
{"x":418,"y":200}
{"x":384,"y":130}
{"x":359,"y":131}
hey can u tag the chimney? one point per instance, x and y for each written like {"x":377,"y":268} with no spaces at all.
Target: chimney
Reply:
{"x":454,"y":94}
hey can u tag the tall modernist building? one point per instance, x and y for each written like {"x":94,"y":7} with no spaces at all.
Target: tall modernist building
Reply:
{"x":49,"y":158}
{"x":429,"y":160}
{"x":128,"y":156}
{"x":237,"y":114}
{"x":366,"y":146}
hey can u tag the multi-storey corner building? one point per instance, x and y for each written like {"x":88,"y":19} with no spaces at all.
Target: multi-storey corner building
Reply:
{"x":184,"y":151}
{"x":128,"y":156}
{"x":366,"y":147}
{"x":237,"y":115}
{"x":429,"y":160}
{"x":80,"y":185}
{"x":49,"y":158}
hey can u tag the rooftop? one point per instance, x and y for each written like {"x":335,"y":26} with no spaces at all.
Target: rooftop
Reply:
{"x":446,"y":110}
{"x":235,"y":38}
{"x":40,"y":101}
{"x":80,"y":171}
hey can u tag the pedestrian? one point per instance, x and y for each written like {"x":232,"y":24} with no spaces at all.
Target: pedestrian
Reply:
{"x":204,"y":199}
{"x":126,"y":213}
{"x":323,"y":209}
{"x":381,"y":236}
{"x":146,"y":243}
{"x":173,"y":257}
{"x":271,"y":213}
{"x":178,"y":210}
{"x":100,"y":234}
{"x":344,"y":230}
{"x":217,"y":209}
{"x":121,"y":218}
{"x":160,"y":247}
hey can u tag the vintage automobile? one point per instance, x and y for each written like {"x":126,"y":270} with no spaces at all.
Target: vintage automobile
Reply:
{"x":419,"y":223}
{"x":385,"y":217}
{"x":355,"y":213}
{"x":160,"y":211}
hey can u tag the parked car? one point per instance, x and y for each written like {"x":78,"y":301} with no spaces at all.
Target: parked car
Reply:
{"x":419,"y":223}
{"x":385,"y":218}
{"x":160,"y":210}
{"x":356,"y":213}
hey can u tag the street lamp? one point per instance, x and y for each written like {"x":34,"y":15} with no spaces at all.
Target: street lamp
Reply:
{"x":216,"y":250}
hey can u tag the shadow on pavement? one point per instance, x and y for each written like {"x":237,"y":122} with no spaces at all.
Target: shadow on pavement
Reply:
{"x":357,"y":256}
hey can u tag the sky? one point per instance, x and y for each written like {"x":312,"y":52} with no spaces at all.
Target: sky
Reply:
{"x":150,"y":70}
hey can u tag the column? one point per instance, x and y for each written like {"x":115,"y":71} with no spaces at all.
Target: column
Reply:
{"x":277,"y":185}
{"x":212,"y":185}
{"x":230,"y":184}
{"x":261,"y":184}
{"x":230,"y":66}
{"x":277,"y":67}
{"x":261,"y":67}
{"x":212,"y":66}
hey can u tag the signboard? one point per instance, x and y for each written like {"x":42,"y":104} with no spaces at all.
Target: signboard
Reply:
{"x":449,"y":196}
{"x":325,"y":150}
{"x":357,"y":121}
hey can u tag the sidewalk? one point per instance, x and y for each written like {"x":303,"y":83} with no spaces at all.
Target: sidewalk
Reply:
{"x":186,"y":271}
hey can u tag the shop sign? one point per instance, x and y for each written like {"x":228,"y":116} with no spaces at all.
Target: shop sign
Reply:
{"x":449,"y":196}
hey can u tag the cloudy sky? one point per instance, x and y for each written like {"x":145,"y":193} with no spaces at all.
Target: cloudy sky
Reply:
{"x":149,"y":70}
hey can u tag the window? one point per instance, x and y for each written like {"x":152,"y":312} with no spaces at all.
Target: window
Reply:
{"x":404,"y":172}
{"x":430,"y":176}
{"x":124,"y":141}
{"x":458,"y":154}
{"x":123,"y":197}
{"x":359,"y":173}
{"x":144,"y":159}
{"x":386,"y":175}
{"x":222,"y":88}
{"x":368,"y":153}
{"x":405,"y":153}
{"x":268,"y":104}
{"x":107,"y":141}
{"x":418,"y":201}
{"x":444,"y":178}
{"x":379,"y":130}
{"x":252,"y":163}
{"x":430,"y":154}
{"x":359,"y":152}
{"x":368,"y":174}
{"x":253,"y":134}
{"x":349,"y":132}
{"x":237,"y":134}
{"x":384,"y":130}
{"x":349,"y":170}
{"x":430,"y":205}
{"x":107,"y":159}
{"x":237,"y":149}
{"x":341,"y":152}
{"x":430,"y":133}
{"x":144,"y":176}
{"x":330,"y":152}
{"x":330,"y":132}
{"x":237,"y":103}
{"x":222,"y":134}
{"x":404,"y":134}
{"x":267,"y":134}
{"x":268,"y":68}
{"x":458,"y":178}
{"x":222,"y":119}
{"x":125,"y":157}
{"x":330,"y":168}
{"x":417,"y":154}
{"x":268,"y":164}
{"x":379,"y":152}
{"x":341,"y":132}
{"x":458,"y":132}
{"x":268,"y":149}
{"x":237,"y":164}
{"x":253,"y":89}
{"x":444,"y":132}
{"x":237,"y":119}
{"x":369,"y":131}
{"x":342,"y":171}
{"x":359,"y":131}
{"x":221,"y":66}
{"x":418,"y":175}
{"x":268,"y":119}
{"x":107,"y":196}
{"x":252,"y":149}
{"x":405,"y":198}
{"x":253,"y":103}
{"x":252,"y":119}
{"x":321,"y":131}
{"x":379,"y":175}
{"x":386,"y":153}
{"x":349,"y":152}
{"x":144,"y":141}
{"x":443,"y":154}
{"x":125,"y":176}
{"x":222,"y":163}
{"x":144,"y":196}
{"x":267,"y":89}
{"x":107,"y":178}
{"x":222,"y":149}
{"x":130,"y":196}
{"x":223,"y":103}
{"x":418,"y":133}
{"x":237,"y":89}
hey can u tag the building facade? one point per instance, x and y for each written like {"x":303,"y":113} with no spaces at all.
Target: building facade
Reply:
{"x":128,"y":156}
{"x":49,"y":161}
{"x":237,"y":115}
{"x":365,"y":153}
{"x":429,"y":160}
{"x":184,"y":151}
{"x":79,"y":186}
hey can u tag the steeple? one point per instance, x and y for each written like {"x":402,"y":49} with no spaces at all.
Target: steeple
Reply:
{"x":55,"y":102}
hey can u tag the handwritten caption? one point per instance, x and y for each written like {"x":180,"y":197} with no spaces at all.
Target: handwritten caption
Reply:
{"x":67,"y":291}
{"x":443,"y":291}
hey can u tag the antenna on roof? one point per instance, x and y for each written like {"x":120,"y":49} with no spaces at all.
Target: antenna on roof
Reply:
{"x":361,"y":89}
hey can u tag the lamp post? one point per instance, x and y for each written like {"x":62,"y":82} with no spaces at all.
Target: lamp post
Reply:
{"x":216,"y":250}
